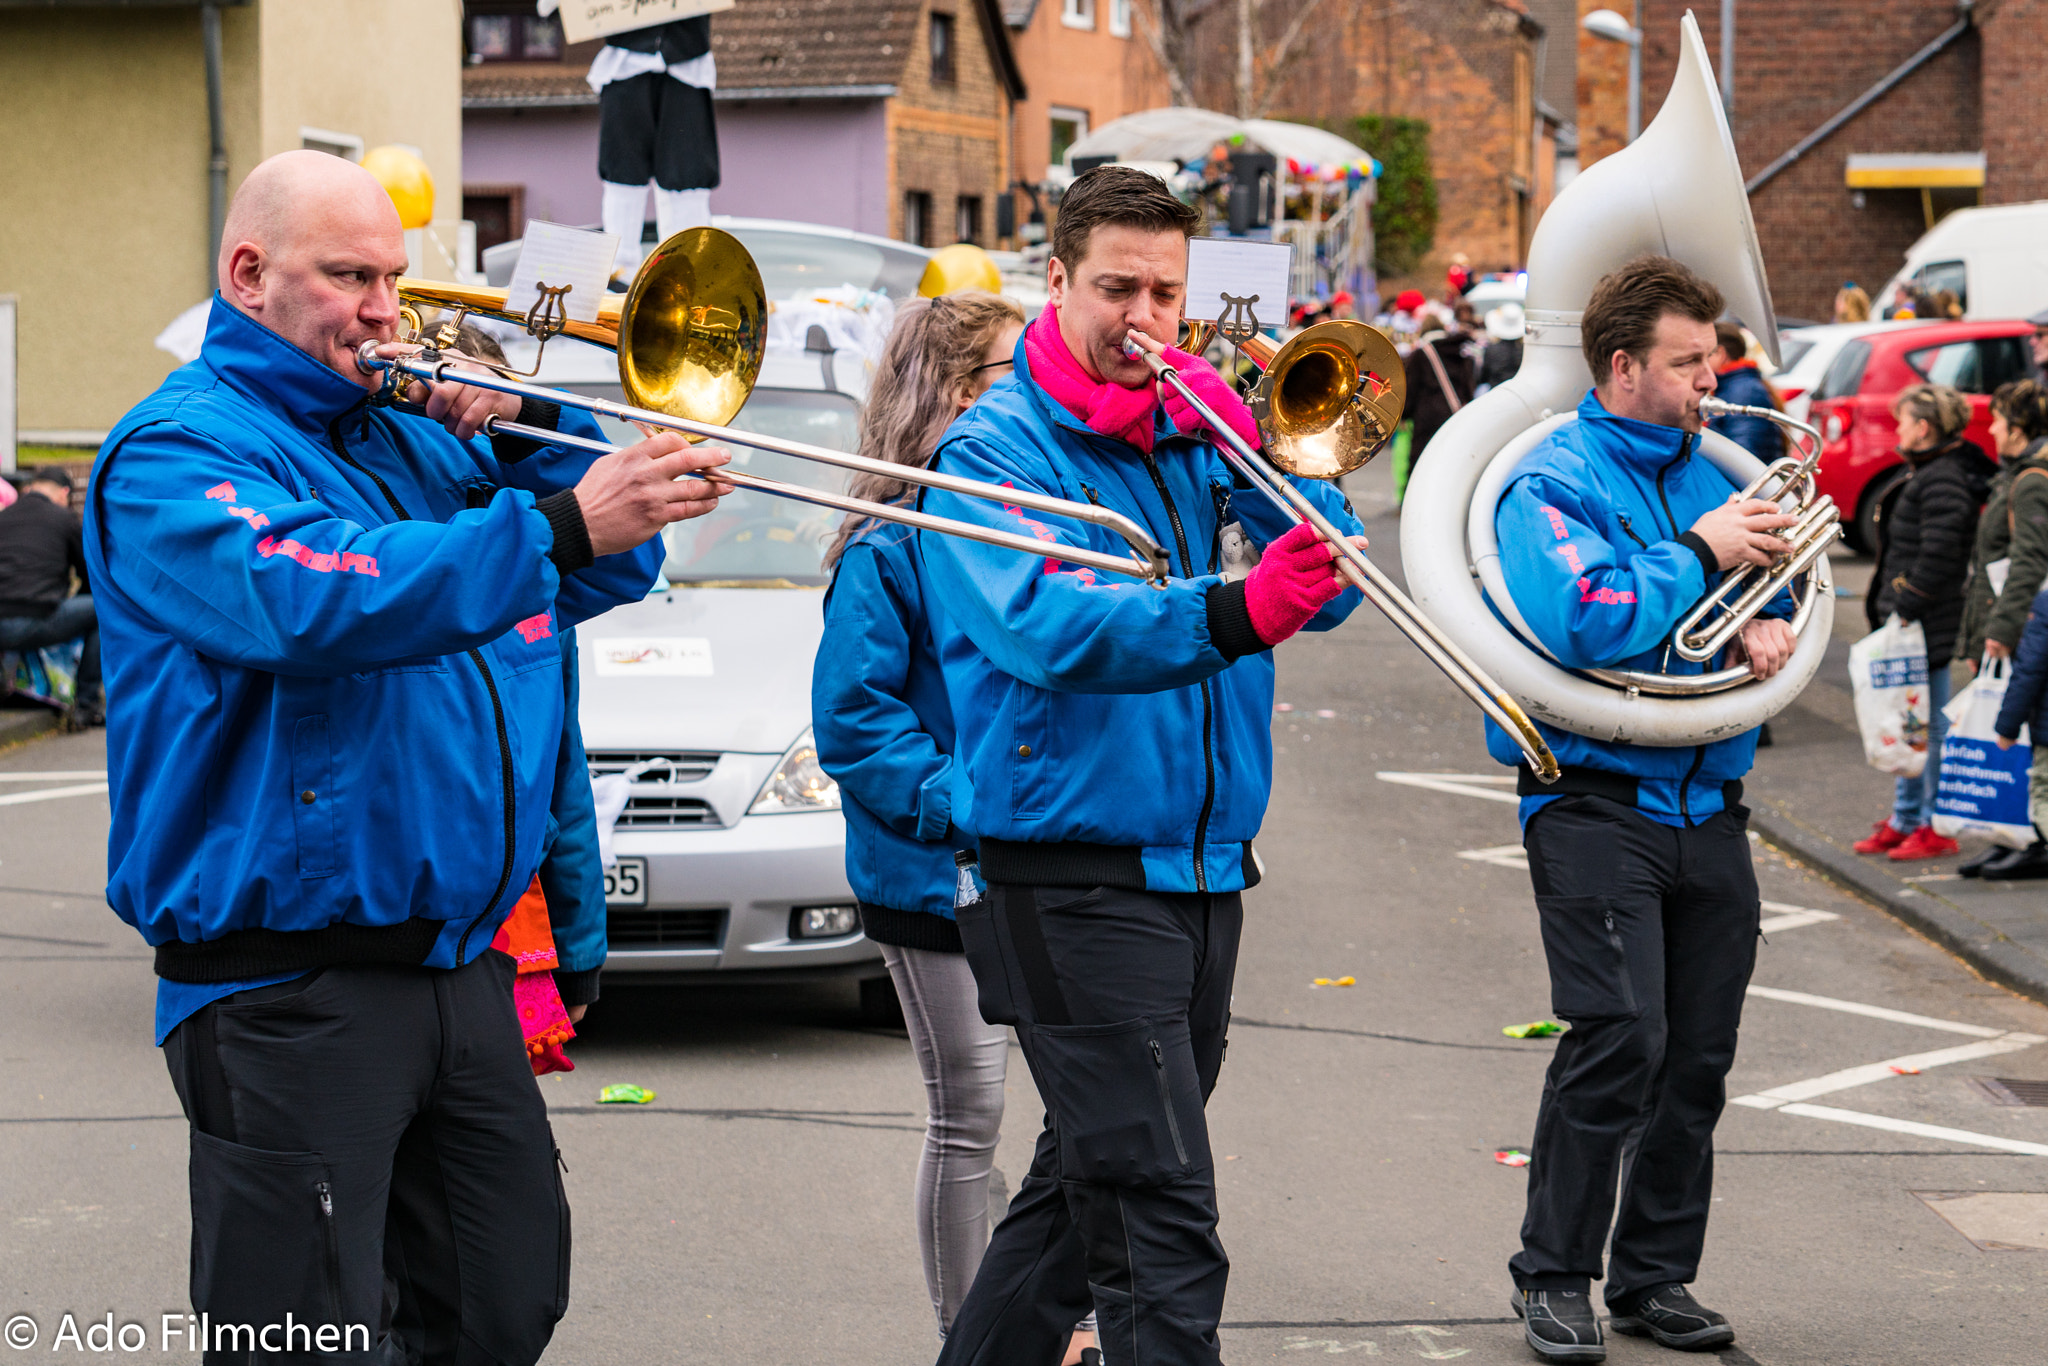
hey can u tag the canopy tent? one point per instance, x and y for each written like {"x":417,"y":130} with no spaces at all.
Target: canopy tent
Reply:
{"x":1181,"y":134}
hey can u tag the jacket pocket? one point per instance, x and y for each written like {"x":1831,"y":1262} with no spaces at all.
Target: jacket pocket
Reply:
{"x":312,"y":796}
{"x":1589,"y":976}
{"x":265,"y":1235}
{"x":1029,"y":761}
{"x":1125,"y":1100}
{"x":985,"y":959}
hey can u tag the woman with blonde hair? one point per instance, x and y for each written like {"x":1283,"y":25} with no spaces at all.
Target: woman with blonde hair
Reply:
{"x":1852,"y":305}
{"x":1922,"y":565}
{"x":884,"y":731}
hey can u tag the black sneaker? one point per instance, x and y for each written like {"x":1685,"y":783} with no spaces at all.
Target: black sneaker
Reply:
{"x":1560,"y":1324}
{"x":1675,"y":1319}
{"x":2024,"y":866}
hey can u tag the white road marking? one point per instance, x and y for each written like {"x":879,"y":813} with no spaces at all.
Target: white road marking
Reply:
{"x":1500,"y":856}
{"x":53,"y":775}
{"x":1883,"y":1071}
{"x":1917,"y":1129}
{"x":1789,"y":917}
{"x":1481,"y":785}
{"x":52,"y":793}
{"x":1800,"y":998}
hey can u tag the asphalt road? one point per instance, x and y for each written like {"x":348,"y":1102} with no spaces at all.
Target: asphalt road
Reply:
{"x":759,"y":1210}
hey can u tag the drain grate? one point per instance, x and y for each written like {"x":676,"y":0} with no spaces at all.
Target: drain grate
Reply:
{"x":2013,"y":1090}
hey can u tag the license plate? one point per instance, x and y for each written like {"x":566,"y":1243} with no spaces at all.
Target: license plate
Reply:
{"x":625,"y":883}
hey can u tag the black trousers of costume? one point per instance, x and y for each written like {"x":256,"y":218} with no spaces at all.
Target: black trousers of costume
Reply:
{"x":369,"y":1148}
{"x":653,"y":127}
{"x":1121,"y":1001}
{"x":1651,"y":933}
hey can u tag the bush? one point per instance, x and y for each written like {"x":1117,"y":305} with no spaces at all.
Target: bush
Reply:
{"x":1404,"y":218}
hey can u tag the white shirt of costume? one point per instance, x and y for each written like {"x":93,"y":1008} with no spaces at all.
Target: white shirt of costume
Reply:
{"x":618,"y":64}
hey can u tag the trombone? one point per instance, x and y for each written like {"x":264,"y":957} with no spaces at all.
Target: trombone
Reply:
{"x":1819,"y":524}
{"x":1326,"y":402}
{"x":690,"y":335}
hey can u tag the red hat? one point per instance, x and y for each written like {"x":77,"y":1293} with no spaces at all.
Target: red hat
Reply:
{"x":1409,"y":300}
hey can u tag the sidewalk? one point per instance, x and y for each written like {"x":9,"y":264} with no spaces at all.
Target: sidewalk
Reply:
{"x":1812,"y":796}
{"x":23,"y":723}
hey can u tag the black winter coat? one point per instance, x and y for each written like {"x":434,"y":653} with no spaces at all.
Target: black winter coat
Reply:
{"x":1925,"y":559}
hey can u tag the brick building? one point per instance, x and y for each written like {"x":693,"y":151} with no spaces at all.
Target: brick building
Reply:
{"x":1467,"y":67}
{"x":1976,"y":90}
{"x":889,"y":117}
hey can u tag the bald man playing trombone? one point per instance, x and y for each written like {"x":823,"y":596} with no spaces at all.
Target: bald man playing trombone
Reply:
{"x":335,"y":701}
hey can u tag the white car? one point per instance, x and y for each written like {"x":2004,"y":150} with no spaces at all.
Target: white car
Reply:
{"x":1804,"y":355}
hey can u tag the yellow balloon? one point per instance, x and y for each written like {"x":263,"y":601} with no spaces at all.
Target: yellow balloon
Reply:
{"x":960,"y":266}
{"x":406,"y":179}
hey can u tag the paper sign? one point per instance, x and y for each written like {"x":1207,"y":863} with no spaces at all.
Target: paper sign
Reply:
{"x":583,"y":20}
{"x":554,"y":256}
{"x":653,"y":657}
{"x":1255,"y":271}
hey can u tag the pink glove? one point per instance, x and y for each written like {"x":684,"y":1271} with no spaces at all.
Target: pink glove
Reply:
{"x":1292,"y":581}
{"x":1213,"y":390}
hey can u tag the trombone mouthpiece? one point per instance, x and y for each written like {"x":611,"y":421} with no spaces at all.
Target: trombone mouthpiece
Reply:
{"x":1133,"y":350}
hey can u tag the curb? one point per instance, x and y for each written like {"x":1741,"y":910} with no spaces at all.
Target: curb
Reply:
{"x":1984,"y":948}
{"x":17,"y":726}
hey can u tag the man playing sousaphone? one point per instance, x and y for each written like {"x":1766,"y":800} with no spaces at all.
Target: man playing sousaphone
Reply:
{"x":1116,"y":739}
{"x":1610,"y":531}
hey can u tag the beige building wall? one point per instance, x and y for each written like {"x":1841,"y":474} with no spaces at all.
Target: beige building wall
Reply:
{"x":103,"y":226}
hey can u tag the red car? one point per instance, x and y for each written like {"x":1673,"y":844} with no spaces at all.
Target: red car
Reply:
{"x":1852,"y":407}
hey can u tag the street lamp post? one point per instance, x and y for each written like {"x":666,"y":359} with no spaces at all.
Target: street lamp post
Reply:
{"x":1605,"y":23}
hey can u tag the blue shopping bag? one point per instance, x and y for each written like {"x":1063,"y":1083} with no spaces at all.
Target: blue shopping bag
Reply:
{"x":1983,"y":788}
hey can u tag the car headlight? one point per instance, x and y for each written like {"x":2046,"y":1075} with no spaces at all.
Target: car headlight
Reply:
{"x":798,"y":784}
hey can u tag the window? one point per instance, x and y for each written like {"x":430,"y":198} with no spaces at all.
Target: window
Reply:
{"x":347,"y":146}
{"x":1069,"y":126}
{"x":917,"y":217}
{"x":1971,"y":367}
{"x":967,"y":219}
{"x":1952,"y":276}
{"x":942,"y":49}
{"x":514,"y":38}
{"x":1120,"y":18}
{"x":1845,"y":376}
{"x":499,"y":212}
{"x":1078,"y":13}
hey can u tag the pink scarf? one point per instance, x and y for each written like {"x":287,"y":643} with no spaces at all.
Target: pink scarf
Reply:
{"x":1111,"y":409}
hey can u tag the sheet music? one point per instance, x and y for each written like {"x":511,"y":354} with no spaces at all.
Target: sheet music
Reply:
{"x":555,"y":255}
{"x":1218,"y":266}
{"x":583,"y":20}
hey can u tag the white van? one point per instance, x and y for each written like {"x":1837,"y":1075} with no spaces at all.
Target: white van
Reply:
{"x":1995,"y":260}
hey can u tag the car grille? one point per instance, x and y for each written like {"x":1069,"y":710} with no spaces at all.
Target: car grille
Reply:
{"x":635,"y":929}
{"x":653,"y":812}
{"x":667,"y":768}
{"x":647,"y":806}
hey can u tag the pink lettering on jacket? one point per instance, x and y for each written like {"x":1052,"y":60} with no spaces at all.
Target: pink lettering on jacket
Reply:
{"x":223,"y":492}
{"x":1606,"y":597}
{"x":250,"y":515}
{"x":1557,"y":527}
{"x":1571,"y":557}
{"x":320,"y":562}
{"x":534,"y":628}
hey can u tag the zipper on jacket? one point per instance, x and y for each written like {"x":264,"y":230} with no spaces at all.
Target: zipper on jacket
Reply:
{"x":1684,"y":450}
{"x":1699,"y":758}
{"x":1622,"y":517}
{"x":1180,"y":544}
{"x":1180,"y":1149}
{"x":490,"y":686}
{"x":1219,"y":494}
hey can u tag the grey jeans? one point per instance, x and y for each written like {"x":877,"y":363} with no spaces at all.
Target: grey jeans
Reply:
{"x":963,"y":1059}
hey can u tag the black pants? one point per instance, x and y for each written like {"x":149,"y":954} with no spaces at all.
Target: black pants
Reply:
{"x":369,"y":1148}
{"x":1651,"y":934}
{"x":653,"y":127}
{"x":1121,"y":1001}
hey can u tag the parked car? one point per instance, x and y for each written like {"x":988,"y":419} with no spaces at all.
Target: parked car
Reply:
{"x":1994,"y":260}
{"x":1805,"y":353}
{"x":1859,"y":468}
{"x":730,"y":853}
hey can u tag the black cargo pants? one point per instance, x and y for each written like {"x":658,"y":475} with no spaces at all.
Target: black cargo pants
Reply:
{"x":1121,"y":1000}
{"x":1651,"y":933}
{"x":370,"y":1151}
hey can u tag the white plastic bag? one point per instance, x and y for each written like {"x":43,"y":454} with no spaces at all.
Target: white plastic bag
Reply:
{"x":1983,"y":788}
{"x":1888,"y":671}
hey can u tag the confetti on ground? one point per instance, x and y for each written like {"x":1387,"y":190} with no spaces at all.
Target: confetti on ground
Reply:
{"x":1326,"y":715}
{"x":1283,"y":706}
{"x":1512,"y":1157}
{"x":1906,"y":1071}
{"x":1335,"y":982}
{"x":624,"y":1094}
{"x":1536,"y":1029}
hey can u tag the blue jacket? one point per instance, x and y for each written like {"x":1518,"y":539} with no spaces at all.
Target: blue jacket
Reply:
{"x":1594,"y":529}
{"x":571,"y":878}
{"x":884,"y":729}
{"x":331,"y":641}
{"x":1759,"y":436}
{"x":1101,"y":716}
{"x":2026,"y":688}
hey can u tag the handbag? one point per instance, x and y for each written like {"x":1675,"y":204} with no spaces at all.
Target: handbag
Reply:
{"x":1983,"y":788}
{"x":1888,"y":674}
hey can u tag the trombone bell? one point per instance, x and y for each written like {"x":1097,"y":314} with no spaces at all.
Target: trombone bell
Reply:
{"x":1328,"y":399}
